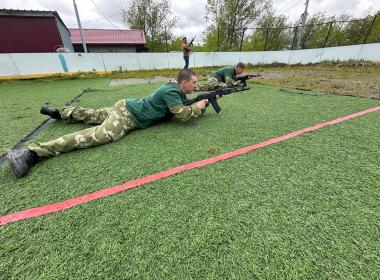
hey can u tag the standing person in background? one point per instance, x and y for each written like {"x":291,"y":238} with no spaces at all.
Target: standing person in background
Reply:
{"x":186,"y":48}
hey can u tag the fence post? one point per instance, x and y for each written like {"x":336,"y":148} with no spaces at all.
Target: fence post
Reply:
{"x":366,"y":37}
{"x":370,"y":28}
{"x":294,"y":37}
{"x":266,"y":38}
{"x":166,"y":40}
{"x":328,"y":34}
{"x":167,"y":49}
{"x":217,"y":40}
{"x":242,"y":38}
{"x":291,"y":48}
{"x":327,"y":37}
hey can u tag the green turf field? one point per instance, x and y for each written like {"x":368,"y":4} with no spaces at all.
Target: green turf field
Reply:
{"x":21,"y":100}
{"x":305,"y":208}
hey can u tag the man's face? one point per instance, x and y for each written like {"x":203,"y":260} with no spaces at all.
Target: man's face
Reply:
{"x":189,"y":86}
{"x":239,"y":70}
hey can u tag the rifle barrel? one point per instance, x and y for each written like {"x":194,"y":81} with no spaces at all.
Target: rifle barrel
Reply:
{"x":211,"y":96}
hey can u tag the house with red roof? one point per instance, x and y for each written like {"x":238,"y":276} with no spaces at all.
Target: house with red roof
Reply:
{"x":27,"y":31}
{"x":109,"y":40}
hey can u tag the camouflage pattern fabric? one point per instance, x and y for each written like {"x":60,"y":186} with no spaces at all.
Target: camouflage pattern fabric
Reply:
{"x":85,"y":115}
{"x":185,"y":113}
{"x":113,"y":122}
{"x":213,"y":83}
{"x":230,"y":82}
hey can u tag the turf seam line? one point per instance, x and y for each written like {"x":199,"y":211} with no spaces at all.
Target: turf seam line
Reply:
{"x":39,"y":127}
{"x":66,"y":204}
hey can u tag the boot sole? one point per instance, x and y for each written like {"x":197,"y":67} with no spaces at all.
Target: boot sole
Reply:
{"x":43,"y":111}
{"x":13,"y":164}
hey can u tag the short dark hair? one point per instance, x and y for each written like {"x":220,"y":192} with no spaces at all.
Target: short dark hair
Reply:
{"x":240,"y":65}
{"x":184,"y":38}
{"x":185,"y":75}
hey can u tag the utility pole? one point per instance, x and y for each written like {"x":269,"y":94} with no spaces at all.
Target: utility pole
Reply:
{"x":303,"y":22}
{"x":166,"y":41}
{"x":80,"y":27}
{"x":217,"y":25}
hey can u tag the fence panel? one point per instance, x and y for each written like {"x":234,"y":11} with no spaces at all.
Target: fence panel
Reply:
{"x":84,"y":62}
{"x":120,"y":61}
{"x":37,"y":63}
{"x":50,"y":63}
{"x":7,"y":66}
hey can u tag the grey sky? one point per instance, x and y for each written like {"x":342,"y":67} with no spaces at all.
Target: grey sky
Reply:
{"x":190,"y":13}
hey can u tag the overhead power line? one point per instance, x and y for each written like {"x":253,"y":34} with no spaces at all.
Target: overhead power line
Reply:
{"x":91,"y":20}
{"x":285,"y":6}
{"x":100,"y":11}
{"x":314,"y":24}
{"x":290,"y":6}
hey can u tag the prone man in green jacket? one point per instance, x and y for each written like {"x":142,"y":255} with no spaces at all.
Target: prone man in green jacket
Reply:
{"x":224,"y":77}
{"x":111,"y":123}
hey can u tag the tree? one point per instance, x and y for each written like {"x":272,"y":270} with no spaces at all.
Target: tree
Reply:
{"x":356,"y":31}
{"x":228,"y":18}
{"x":337,"y":35}
{"x":314,"y":32}
{"x":270,"y":33}
{"x":340,"y":31}
{"x":211,"y":40}
{"x":374,"y":35}
{"x":155,"y":18}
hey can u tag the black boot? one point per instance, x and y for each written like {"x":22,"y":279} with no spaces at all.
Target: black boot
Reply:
{"x":22,"y":160}
{"x":53,"y":113}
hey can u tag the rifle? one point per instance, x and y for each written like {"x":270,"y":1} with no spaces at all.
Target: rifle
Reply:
{"x":211,"y":96}
{"x":244,"y":78}
{"x":192,"y":40}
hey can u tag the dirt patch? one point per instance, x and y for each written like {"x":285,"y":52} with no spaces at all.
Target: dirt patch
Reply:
{"x":135,"y":81}
{"x":354,"y":81}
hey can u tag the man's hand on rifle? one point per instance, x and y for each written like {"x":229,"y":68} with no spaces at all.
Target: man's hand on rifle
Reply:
{"x":202,"y":104}
{"x":250,"y":76}
{"x":242,"y":79}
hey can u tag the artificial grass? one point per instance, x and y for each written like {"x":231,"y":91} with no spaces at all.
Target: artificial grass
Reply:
{"x":21,"y":102}
{"x":248,"y":117}
{"x":304,"y":208}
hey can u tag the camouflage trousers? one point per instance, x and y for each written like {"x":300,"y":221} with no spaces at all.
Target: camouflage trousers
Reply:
{"x":112,"y":124}
{"x":213,"y":83}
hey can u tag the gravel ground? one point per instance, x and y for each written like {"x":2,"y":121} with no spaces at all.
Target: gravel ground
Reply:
{"x":353,"y":81}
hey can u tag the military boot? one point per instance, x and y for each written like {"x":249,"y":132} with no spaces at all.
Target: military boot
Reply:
{"x":21,"y":160}
{"x":51,"y":112}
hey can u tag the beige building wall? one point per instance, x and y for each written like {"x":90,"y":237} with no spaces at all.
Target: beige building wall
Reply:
{"x":111,"y":49}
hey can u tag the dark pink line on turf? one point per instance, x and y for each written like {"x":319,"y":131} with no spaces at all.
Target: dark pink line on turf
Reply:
{"x":59,"y":206}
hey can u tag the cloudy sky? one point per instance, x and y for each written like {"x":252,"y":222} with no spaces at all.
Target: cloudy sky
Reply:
{"x":190,"y":13}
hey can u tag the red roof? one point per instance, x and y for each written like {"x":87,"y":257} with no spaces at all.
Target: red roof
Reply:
{"x":109,"y":36}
